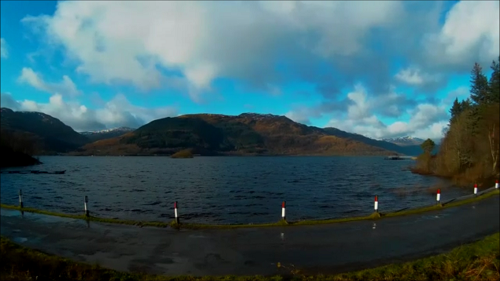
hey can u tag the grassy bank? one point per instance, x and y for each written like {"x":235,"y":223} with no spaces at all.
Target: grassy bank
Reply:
{"x":83,"y":217}
{"x":476,"y":261}
{"x":279,"y":223}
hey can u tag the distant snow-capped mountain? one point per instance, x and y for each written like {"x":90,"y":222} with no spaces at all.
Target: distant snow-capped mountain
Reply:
{"x":107,"y":133}
{"x":120,"y":129}
{"x":405,"y":141}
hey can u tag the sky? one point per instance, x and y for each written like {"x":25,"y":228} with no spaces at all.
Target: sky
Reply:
{"x":380,"y":69}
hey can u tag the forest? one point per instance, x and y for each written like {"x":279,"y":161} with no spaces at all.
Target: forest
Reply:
{"x":469,"y":151}
{"x":17,"y":149}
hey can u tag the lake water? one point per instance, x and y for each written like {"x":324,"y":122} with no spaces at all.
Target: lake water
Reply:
{"x":223,"y":189}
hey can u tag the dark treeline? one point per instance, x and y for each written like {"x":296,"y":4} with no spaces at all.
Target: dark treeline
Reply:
{"x":16,"y":149}
{"x":470,"y":149}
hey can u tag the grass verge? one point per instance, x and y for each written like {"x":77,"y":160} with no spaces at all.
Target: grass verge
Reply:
{"x":476,"y":261}
{"x":83,"y":217}
{"x":279,"y":223}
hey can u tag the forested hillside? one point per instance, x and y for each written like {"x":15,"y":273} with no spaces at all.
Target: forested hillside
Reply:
{"x":16,"y":149}
{"x":470,"y":149}
{"x":48,"y":134}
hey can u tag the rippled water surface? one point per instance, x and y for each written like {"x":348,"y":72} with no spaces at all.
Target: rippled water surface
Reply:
{"x":222,"y":189}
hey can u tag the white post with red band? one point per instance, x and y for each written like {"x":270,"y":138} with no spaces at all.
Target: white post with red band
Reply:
{"x":496,"y":184}
{"x":438,"y":195}
{"x":375,"y":205}
{"x":475,"y":188}
{"x":283,"y":210}
{"x":175,"y":212}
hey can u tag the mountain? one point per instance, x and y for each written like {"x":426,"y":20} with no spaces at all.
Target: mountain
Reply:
{"x":205,"y":134}
{"x":244,"y":134}
{"x":412,"y":150}
{"x":405,"y":141}
{"x":106,"y":134}
{"x":49,"y":134}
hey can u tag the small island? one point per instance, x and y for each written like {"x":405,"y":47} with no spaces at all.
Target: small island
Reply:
{"x":185,"y":153}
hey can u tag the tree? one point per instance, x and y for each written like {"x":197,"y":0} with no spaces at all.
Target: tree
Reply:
{"x":470,"y":150}
{"x":428,"y":146}
{"x":494,"y":84}
{"x":455,"y":110}
{"x":465,"y":105}
{"x":491,"y":128}
{"x":479,"y":85}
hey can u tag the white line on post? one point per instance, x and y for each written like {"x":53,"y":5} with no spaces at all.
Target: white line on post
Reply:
{"x":175,"y":212}
{"x":85,"y":206}
{"x":283,"y":210}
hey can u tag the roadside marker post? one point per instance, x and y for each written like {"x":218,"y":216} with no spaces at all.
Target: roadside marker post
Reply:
{"x":283,"y":210}
{"x":438,"y":195}
{"x":496,"y":184}
{"x":175,"y":213}
{"x":475,"y":189}
{"x":375,"y":204}
{"x":85,"y":205}
{"x":21,"y":198}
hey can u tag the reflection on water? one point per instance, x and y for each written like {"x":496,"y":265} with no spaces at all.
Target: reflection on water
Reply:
{"x":222,"y":189}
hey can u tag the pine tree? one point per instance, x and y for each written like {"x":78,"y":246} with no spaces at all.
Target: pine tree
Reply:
{"x":479,"y":85}
{"x":455,"y":110}
{"x":494,"y":84}
{"x":465,"y":105}
{"x":428,"y":146}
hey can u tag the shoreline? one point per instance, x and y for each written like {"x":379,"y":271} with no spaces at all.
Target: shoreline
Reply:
{"x":281,"y":223}
{"x":410,"y":157}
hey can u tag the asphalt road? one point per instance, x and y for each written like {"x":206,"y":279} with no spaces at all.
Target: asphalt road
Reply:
{"x":312,"y":249}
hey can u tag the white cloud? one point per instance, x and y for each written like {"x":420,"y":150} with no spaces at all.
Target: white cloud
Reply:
{"x":426,"y":120}
{"x":3,"y":49}
{"x":65,"y":87}
{"x":302,"y":114}
{"x":359,"y":106}
{"x":64,"y":105}
{"x":414,"y":76}
{"x":130,"y":41}
{"x":470,"y":33}
{"x":461,"y":93}
{"x":410,"y":76}
{"x":114,"y":113}
{"x":363,"y":106}
{"x":359,"y":110}
{"x":133,"y":42}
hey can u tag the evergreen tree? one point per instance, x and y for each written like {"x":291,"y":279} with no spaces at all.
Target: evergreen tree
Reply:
{"x":465,"y":105}
{"x":428,"y":146}
{"x":494,"y":84}
{"x":455,"y":110}
{"x":479,"y":85}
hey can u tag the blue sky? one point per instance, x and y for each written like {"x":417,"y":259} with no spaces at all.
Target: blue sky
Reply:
{"x":381,"y":69}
